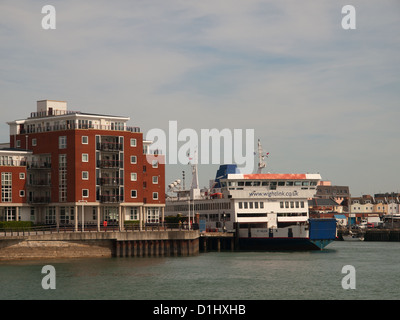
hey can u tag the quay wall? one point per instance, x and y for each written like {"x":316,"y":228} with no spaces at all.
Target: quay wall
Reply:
{"x":99,"y":244}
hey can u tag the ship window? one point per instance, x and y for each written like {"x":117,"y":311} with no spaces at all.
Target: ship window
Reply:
{"x":265,"y":183}
{"x":297,"y":204}
{"x":240,"y":183}
{"x":306,"y":183}
{"x":245,"y":205}
{"x":313,"y":183}
{"x":302,"y":204}
{"x":262,"y":205}
{"x":248,"y":183}
{"x":281,"y":183}
{"x":292,"y":204}
{"x":297,"y":183}
{"x":289,"y":183}
{"x":281,"y":204}
{"x":286,"y":204}
{"x":256,"y":183}
{"x":255,"y":205}
{"x":240,"y":205}
{"x":251,"y":205}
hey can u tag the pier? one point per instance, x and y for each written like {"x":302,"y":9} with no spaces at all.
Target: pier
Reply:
{"x":217,"y":241}
{"x":20,"y":245}
{"x":382,"y":235}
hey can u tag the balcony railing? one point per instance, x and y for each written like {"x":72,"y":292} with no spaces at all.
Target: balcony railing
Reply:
{"x":109,"y":146}
{"x":39,"y":200}
{"x":74,"y":126}
{"x":110,"y":181}
{"x":104,"y":164}
{"x":39,"y":183}
{"x":38,"y":165}
{"x":111,"y":199}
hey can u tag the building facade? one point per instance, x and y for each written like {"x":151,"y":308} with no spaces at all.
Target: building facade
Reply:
{"x":64,"y":167}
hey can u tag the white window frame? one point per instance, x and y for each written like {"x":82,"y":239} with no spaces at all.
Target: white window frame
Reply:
{"x":62,"y":142}
{"x":156,"y":195}
{"x":155,"y":179}
{"x":133,"y":142}
{"x":133,"y":159}
{"x":85,"y":155}
{"x":83,"y":175}
{"x":85,"y":138}
{"x":83,"y":193}
{"x":133,"y":176}
{"x":133,"y":196}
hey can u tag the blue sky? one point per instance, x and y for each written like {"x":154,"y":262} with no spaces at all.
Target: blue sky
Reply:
{"x":320,"y":98}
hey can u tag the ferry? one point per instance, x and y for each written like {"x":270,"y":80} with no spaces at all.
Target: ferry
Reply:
{"x":266,"y":211}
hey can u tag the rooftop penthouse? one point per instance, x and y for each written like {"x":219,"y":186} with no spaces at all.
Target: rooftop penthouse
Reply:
{"x":52,"y":115}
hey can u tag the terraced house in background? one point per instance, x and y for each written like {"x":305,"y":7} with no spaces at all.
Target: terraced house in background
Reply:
{"x":67,"y":167}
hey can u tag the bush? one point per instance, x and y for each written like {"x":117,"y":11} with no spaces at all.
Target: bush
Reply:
{"x":16,"y":225}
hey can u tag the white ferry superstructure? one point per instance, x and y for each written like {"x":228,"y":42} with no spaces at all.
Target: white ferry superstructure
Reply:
{"x":266,"y":211}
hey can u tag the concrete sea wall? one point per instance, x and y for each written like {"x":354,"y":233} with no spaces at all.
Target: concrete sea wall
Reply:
{"x":99,"y":244}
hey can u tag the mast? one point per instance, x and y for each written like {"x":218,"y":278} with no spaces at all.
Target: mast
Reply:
{"x":261,"y":162}
{"x":195,"y":175}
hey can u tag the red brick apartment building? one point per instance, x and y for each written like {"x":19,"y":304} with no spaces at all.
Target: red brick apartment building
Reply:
{"x":62,"y":167}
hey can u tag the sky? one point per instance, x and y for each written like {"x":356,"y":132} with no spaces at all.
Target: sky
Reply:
{"x":319,"y":97}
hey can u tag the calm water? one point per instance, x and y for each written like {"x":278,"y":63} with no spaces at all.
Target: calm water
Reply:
{"x":209,"y":276}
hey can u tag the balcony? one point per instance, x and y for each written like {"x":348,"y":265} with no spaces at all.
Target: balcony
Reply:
{"x":111,"y":199}
{"x":109,"y":164}
{"x":39,"y":200}
{"x":109,"y":147}
{"x":34,"y":165}
{"x":110,"y":182}
{"x":39,"y":183}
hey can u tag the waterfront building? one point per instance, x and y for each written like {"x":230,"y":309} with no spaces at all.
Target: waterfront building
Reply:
{"x":339,"y":194}
{"x":67,"y":167}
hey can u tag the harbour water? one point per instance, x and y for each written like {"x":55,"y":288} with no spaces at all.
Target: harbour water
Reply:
{"x":215,"y":275}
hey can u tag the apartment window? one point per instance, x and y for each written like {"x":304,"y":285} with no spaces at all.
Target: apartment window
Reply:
{"x":134,"y":214}
{"x":85,"y":175}
{"x":133,"y":159}
{"x":155,"y":164}
{"x":62,"y":142}
{"x":85,"y":140}
{"x":133,"y":176}
{"x":133,"y":142}
{"x":240,"y":205}
{"x":155,"y":179}
{"x":18,"y":143}
{"x":245,"y":205}
{"x":155,"y":195}
{"x":85,"y":157}
{"x":261,"y":205}
{"x":85,"y":193}
{"x":6,"y":187}
{"x":34,"y":142}
{"x":281,"y":203}
{"x":133,"y":193}
{"x":62,"y":176}
{"x":22,"y":175}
